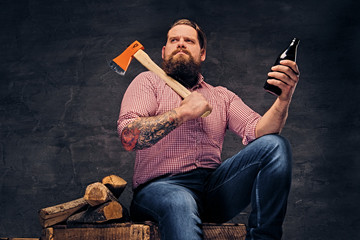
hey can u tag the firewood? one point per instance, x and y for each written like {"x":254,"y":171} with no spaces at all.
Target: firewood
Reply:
{"x":97,"y":193}
{"x":52,"y":215}
{"x":115,"y":184}
{"x":99,"y":214}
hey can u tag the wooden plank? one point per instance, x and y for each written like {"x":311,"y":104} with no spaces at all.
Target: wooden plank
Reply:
{"x":19,"y":238}
{"x":140,"y":231}
{"x":47,"y":234}
{"x":92,"y":232}
{"x":212,"y":231}
{"x":224,"y":231}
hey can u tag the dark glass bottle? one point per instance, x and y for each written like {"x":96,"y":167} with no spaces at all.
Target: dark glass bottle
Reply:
{"x":289,"y":54}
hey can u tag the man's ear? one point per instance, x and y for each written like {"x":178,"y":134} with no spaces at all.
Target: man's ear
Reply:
{"x":203,"y":55}
{"x":163,"y":52}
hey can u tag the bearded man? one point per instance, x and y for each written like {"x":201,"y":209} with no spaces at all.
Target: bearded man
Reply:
{"x":179,"y":179}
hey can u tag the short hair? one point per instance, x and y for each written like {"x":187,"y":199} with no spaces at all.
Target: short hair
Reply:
{"x":200,"y":33}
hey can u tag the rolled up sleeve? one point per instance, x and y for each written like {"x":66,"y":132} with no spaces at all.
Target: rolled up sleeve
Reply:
{"x":139,"y":101}
{"x":243,"y":120}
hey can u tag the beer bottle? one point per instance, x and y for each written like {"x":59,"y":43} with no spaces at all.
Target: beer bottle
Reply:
{"x":288,"y":54}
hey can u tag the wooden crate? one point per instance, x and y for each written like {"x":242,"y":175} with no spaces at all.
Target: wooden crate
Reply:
{"x":135,"y":231}
{"x":2,"y":238}
{"x":226,"y":231}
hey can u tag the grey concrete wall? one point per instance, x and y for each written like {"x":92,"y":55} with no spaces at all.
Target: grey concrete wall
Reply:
{"x":59,"y":101}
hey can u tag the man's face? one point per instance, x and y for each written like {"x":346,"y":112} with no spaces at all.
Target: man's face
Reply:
{"x":182,"y":55}
{"x":183,"y":42}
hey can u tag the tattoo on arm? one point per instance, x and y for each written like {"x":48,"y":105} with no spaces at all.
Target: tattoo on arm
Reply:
{"x":145,"y":132}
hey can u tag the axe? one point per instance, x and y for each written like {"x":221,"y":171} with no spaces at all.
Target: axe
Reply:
{"x":121,"y":63}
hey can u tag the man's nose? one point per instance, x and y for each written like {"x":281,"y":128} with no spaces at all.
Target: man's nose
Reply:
{"x":181,"y":43}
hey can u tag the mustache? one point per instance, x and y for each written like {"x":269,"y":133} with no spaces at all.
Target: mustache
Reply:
{"x":180,"y":50}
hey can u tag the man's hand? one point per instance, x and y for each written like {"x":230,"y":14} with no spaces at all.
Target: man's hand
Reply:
{"x":193,"y":106}
{"x":274,"y":119}
{"x":288,"y":74}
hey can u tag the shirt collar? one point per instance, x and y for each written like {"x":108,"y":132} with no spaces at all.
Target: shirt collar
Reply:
{"x":199,"y":84}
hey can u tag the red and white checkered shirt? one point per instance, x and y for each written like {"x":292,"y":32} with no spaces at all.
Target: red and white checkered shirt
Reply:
{"x":194,"y":144}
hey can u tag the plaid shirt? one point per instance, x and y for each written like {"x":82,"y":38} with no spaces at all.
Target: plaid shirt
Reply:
{"x":194,"y":144}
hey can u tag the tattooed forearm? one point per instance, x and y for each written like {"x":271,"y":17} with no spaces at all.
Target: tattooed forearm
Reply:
{"x":145,"y":132}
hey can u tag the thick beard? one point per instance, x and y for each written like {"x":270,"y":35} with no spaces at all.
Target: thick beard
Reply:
{"x":185,"y":70}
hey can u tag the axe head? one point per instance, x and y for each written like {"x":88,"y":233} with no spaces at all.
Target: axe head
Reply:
{"x":122,"y":62}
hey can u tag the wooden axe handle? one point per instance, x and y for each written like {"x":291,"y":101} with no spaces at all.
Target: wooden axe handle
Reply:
{"x":146,"y":61}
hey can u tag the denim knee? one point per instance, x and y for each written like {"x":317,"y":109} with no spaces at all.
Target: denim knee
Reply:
{"x":181,"y":217}
{"x":180,"y":202}
{"x":160,"y":200}
{"x":275,"y":140}
{"x":278,"y":150}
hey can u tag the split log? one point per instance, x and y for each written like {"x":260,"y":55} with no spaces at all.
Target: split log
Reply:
{"x":105,"y":212}
{"x":115,"y":184}
{"x":52,"y":215}
{"x":97,"y":193}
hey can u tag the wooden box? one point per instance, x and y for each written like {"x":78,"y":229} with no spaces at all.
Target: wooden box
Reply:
{"x":135,"y":231}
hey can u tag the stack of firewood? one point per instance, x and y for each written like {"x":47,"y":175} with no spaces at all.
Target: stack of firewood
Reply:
{"x":98,"y":205}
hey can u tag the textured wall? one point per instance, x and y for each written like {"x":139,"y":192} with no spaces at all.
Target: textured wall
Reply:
{"x":60,"y":100}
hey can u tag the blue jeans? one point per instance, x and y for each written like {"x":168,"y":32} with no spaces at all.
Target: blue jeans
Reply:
{"x":259,"y":175}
